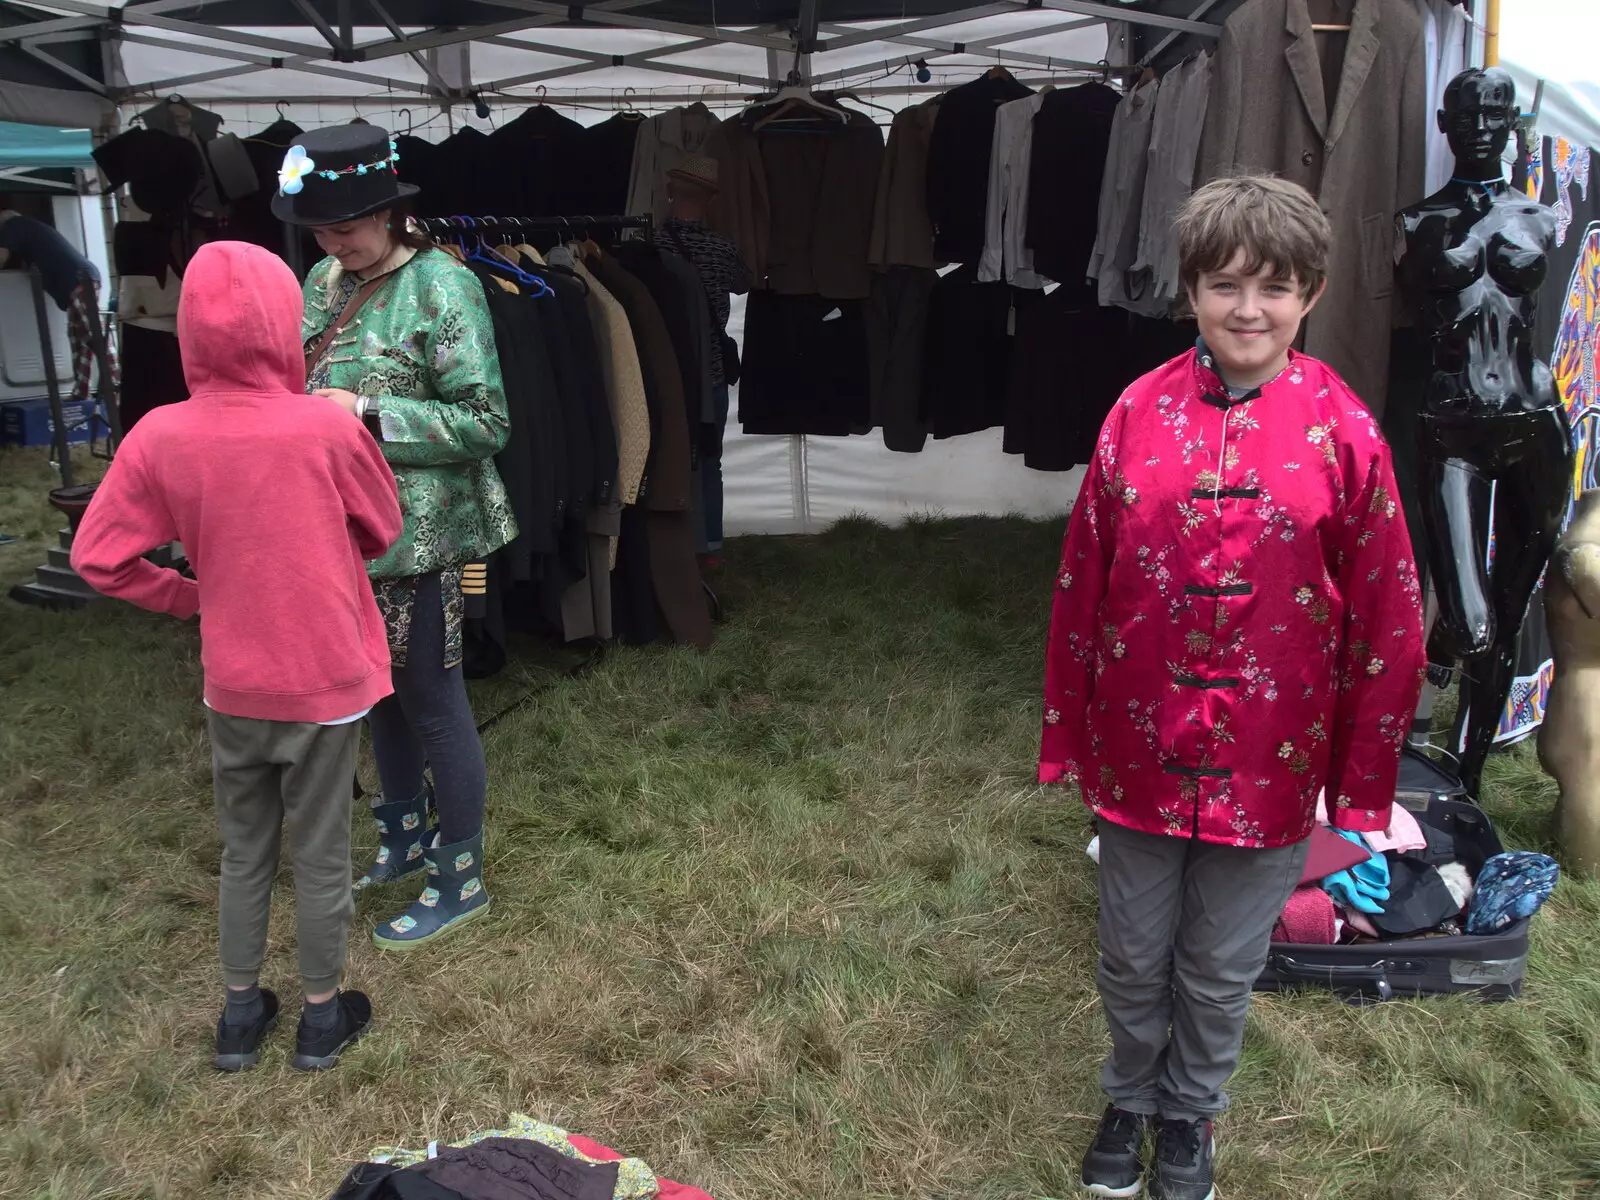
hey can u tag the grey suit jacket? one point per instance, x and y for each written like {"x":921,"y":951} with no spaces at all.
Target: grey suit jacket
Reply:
{"x":1362,"y":153}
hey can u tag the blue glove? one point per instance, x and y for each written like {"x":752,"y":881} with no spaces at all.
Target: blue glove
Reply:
{"x":1363,"y":886}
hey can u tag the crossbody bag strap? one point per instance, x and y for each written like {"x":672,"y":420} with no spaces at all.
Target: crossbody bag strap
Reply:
{"x":314,"y":355}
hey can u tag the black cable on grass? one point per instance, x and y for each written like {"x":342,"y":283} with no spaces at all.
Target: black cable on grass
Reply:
{"x":596,"y":656}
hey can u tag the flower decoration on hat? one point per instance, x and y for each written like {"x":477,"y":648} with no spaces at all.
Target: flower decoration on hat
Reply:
{"x":363,"y":168}
{"x":296,"y":166}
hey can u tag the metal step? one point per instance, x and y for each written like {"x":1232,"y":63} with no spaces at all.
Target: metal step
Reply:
{"x":65,"y":538}
{"x":61,"y":559}
{"x":66,"y":580}
{"x":41,"y":595}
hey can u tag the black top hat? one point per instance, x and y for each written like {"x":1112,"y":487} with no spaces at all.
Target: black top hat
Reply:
{"x":338,"y":174}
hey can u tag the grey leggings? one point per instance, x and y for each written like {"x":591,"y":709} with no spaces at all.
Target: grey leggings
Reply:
{"x":428,"y":723}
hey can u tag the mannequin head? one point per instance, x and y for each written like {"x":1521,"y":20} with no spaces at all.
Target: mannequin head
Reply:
{"x":687,"y":201}
{"x":692,"y":188}
{"x":1478,"y":117}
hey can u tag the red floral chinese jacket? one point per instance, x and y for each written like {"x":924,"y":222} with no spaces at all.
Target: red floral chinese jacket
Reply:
{"x":1237,"y":622}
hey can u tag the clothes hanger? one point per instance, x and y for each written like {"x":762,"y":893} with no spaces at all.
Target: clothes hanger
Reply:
{"x":1330,"y":28}
{"x":792,"y":96}
{"x":797,"y":110}
{"x":854,"y":97}
{"x":482,"y":254}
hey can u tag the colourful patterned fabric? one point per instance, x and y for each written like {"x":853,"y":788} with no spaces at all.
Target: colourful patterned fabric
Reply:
{"x":1575,"y":309}
{"x":635,"y":1180}
{"x":397,"y":601}
{"x":84,"y":329}
{"x":1573,"y":363}
{"x":1569,"y":167}
{"x":424,"y":346}
{"x":1237,"y":622}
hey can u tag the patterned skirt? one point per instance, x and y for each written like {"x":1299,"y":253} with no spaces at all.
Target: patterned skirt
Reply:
{"x":397,"y":601}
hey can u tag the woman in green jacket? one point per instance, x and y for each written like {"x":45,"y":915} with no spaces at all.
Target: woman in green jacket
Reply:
{"x":397,"y":333}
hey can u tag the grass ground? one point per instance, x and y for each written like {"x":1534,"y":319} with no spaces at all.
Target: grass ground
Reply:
{"x":789,"y":919}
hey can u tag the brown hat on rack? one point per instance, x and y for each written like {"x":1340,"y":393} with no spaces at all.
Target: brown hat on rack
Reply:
{"x":698,"y":169}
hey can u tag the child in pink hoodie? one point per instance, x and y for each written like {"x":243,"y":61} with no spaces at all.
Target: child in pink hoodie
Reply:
{"x":278,"y":498}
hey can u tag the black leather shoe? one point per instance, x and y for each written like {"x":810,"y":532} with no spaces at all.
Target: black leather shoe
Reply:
{"x":319,"y":1049}
{"x":1186,"y":1154}
{"x":239,"y":1046}
{"x":1114,"y":1165}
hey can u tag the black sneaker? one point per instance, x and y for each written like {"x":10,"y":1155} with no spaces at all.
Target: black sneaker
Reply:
{"x":317,"y":1050}
{"x":1185,"y":1161}
{"x":1114,"y":1166}
{"x":239,"y":1046}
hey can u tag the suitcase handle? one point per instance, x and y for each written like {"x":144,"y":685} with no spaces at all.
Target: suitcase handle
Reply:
{"x":1354,"y":981}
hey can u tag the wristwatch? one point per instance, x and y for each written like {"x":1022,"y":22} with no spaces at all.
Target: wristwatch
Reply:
{"x":369,"y":412}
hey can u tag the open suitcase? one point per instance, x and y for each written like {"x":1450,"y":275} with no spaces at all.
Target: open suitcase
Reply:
{"x":1490,"y":968}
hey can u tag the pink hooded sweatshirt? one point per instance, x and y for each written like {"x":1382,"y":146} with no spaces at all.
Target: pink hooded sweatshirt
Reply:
{"x":277,"y":497}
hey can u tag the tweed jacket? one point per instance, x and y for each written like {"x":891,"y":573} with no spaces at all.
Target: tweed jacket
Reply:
{"x":1361,"y":152}
{"x":624,"y":384}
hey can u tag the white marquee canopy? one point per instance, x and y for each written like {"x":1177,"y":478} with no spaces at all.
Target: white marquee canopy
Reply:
{"x":393,"y":62}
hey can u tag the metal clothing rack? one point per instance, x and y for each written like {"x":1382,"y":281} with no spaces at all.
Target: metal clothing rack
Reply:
{"x":452,"y":226}
{"x":442,"y":227}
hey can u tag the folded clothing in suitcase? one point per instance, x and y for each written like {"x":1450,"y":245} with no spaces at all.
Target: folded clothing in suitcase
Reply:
{"x":1491,"y":967}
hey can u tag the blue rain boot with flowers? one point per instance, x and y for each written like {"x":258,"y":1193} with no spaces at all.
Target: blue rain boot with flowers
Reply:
{"x":453,"y":897}
{"x":403,"y":831}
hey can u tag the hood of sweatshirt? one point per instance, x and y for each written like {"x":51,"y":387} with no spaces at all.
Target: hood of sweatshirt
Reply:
{"x":239,"y":322}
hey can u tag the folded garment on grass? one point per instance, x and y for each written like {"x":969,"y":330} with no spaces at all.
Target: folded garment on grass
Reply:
{"x":634,"y":1179}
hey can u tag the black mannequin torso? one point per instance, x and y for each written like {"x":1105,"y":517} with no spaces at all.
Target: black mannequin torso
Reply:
{"x":1493,"y":443}
{"x":1476,"y":257}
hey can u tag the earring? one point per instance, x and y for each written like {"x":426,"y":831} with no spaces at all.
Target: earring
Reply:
{"x":387,"y":225}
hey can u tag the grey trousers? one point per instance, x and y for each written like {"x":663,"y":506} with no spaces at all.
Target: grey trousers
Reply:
{"x":266,"y":773}
{"x":1185,"y":927}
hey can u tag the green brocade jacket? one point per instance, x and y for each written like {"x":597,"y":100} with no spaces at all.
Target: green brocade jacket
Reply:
{"x":423,"y":345}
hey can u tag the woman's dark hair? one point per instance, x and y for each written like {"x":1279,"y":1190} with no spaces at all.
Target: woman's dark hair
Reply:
{"x":401,"y":229}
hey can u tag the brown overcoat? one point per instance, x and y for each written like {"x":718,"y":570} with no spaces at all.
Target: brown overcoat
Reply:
{"x":1361,"y":152}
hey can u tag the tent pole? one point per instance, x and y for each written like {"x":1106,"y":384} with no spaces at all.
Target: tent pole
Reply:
{"x":1491,"y":34}
{"x":47,"y":357}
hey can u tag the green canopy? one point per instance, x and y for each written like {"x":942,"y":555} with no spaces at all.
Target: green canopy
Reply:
{"x":42,"y":146}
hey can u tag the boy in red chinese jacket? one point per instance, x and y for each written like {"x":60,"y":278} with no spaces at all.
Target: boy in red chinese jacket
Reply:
{"x":1237,"y":626}
{"x":277,"y":497}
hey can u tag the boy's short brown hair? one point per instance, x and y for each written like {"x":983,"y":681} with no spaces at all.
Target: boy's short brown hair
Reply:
{"x":1276,"y":223}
